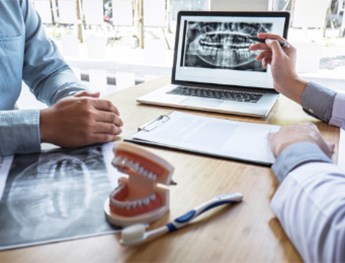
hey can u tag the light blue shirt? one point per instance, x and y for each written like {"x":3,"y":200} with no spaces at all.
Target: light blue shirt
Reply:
{"x":26,"y":54}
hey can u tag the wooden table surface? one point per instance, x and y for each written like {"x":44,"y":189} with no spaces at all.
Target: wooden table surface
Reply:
{"x":245,"y":232}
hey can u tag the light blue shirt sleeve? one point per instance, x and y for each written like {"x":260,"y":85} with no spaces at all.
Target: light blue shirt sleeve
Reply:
{"x":45,"y":71}
{"x":19,"y":132}
{"x":27,"y":54}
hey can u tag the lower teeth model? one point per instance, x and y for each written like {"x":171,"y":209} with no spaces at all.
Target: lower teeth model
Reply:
{"x":143,"y":197}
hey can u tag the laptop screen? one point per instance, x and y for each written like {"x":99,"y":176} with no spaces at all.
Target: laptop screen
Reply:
{"x":211,"y":47}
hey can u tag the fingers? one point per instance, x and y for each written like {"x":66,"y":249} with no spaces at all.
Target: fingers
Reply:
{"x":100,"y":138}
{"x":109,"y":117}
{"x":105,"y":105}
{"x":277,"y":50}
{"x":270,"y":49}
{"x":107,"y":112}
{"x":106,"y":128}
{"x":305,"y":132}
{"x":258,"y":46}
{"x":264,"y":55}
{"x":266,"y":61}
{"x":85,"y":93}
{"x":274,"y":143}
{"x":101,"y":110}
{"x":270,"y":36}
{"x":101,"y":133}
{"x":82,"y":121}
{"x":326,"y":147}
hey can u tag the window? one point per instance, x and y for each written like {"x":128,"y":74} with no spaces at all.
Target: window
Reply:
{"x":317,"y":28}
{"x":104,"y":28}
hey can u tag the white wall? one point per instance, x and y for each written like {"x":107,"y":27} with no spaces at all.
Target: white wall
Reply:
{"x":240,"y":5}
{"x":304,"y":17}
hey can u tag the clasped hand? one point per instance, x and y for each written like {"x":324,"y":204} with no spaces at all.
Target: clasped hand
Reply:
{"x":305,"y":132}
{"x":80,"y":120}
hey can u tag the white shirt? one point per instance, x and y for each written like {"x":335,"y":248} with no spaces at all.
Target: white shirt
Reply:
{"x":310,"y":202}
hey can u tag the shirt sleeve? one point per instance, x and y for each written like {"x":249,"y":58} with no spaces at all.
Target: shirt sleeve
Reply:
{"x":19,"y":132}
{"x":318,"y":101}
{"x":295,"y":155}
{"x":310,"y":202}
{"x":338,"y":113}
{"x":45,"y":71}
{"x":310,"y":205}
{"x":47,"y":75}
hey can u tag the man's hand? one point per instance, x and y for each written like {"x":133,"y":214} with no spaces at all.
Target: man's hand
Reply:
{"x":80,"y":120}
{"x":283,"y":65}
{"x":306,"y":132}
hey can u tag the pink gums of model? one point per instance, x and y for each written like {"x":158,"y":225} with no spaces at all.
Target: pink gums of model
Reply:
{"x":143,"y":196}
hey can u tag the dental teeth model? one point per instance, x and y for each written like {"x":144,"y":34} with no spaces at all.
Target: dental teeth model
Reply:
{"x":143,"y":196}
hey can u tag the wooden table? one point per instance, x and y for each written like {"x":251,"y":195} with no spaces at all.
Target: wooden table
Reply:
{"x":245,"y":232}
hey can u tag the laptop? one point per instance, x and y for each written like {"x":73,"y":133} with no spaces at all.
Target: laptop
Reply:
{"x":213,"y":70}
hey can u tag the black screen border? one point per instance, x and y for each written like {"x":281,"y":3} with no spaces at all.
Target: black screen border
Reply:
{"x":273,"y":14}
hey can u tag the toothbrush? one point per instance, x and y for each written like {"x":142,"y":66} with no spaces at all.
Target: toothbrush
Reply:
{"x":136,"y":234}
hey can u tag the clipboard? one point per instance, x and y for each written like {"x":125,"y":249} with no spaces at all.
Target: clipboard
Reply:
{"x":217,"y":137}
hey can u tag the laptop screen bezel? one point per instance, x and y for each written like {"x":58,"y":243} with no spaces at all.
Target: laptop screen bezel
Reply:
{"x":273,"y":14}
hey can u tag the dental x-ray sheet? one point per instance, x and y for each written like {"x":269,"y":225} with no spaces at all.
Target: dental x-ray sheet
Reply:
{"x":55,"y":195}
{"x":213,"y":66}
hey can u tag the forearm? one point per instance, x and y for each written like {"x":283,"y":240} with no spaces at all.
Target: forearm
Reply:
{"x":19,"y":132}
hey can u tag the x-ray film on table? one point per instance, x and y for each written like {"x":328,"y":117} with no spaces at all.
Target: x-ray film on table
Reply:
{"x":55,"y":196}
{"x":213,"y":68}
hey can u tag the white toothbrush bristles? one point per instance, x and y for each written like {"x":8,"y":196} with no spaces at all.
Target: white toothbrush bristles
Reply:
{"x":133,"y":234}
{"x":137,"y":234}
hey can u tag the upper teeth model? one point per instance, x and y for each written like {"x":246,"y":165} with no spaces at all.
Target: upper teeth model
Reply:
{"x":142,"y":197}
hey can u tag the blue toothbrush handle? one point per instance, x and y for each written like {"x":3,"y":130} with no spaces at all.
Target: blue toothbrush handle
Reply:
{"x":190,"y":215}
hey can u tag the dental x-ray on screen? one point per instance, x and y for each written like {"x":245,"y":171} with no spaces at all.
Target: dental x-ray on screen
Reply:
{"x":213,"y":68}
{"x":222,"y":45}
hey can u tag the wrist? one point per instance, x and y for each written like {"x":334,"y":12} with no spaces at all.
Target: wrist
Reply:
{"x":43,"y":125}
{"x":295,"y":155}
{"x":292,"y":87}
{"x":297,"y":88}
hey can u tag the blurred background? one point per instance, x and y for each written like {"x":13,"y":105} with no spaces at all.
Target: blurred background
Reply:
{"x":115,"y":44}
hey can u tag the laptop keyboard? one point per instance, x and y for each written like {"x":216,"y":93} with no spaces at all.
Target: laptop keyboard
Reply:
{"x":239,"y":96}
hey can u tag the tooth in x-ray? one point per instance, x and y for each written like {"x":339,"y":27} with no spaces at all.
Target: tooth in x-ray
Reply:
{"x":223,"y":45}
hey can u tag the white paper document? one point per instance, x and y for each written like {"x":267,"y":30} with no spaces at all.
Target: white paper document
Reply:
{"x":211,"y":136}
